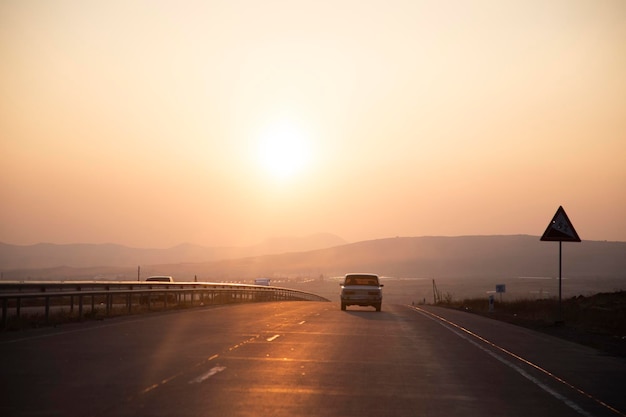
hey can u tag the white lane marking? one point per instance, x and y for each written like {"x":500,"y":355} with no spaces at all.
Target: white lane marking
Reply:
{"x":163,"y":382}
{"x":271,"y":339}
{"x":205,"y":376}
{"x":525,"y":374}
{"x":171,"y":378}
{"x":453,"y":328}
{"x":245,"y":342}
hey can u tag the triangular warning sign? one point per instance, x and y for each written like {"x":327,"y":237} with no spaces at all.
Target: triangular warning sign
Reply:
{"x":560,"y":229}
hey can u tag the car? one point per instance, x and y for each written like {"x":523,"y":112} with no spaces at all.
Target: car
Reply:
{"x":158,"y":297}
{"x":160,"y":278}
{"x":262,"y":281}
{"x":361,"y":290}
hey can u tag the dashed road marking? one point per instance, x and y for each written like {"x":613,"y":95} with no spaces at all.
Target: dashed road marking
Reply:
{"x":213,"y":371}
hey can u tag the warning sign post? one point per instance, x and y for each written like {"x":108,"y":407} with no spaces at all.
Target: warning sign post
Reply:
{"x":560,"y":229}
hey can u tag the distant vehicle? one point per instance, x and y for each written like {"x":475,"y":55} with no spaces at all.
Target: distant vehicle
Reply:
{"x":262,"y":281}
{"x":160,"y":278}
{"x":361,"y":290}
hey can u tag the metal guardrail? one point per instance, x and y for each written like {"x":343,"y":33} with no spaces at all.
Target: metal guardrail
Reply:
{"x":127,"y":296}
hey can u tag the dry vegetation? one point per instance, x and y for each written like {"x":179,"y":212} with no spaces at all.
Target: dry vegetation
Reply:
{"x":598,"y":321}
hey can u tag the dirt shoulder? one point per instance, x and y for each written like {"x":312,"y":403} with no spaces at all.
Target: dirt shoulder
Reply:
{"x":598,"y":321}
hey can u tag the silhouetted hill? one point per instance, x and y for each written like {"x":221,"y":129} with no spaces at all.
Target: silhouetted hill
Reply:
{"x":48,"y":255}
{"x":406,"y":257}
{"x":452,"y":257}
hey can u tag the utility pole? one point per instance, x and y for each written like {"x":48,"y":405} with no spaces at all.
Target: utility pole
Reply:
{"x":436,"y":295}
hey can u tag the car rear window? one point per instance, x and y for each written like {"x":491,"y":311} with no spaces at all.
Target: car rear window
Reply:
{"x":361,"y":280}
{"x":161,"y":279}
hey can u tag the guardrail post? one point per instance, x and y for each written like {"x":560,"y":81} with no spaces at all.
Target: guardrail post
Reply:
{"x":80,"y":307}
{"x":18,"y":307}
{"x":5,"y":315}
{"x":47,"y":308}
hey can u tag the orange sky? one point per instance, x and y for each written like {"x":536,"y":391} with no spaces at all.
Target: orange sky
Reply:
{"x":152,"y":123}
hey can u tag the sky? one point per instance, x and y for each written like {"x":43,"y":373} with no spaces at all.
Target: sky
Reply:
{"x":224,"y":123}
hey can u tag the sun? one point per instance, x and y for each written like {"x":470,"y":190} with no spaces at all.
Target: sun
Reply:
{"x":284,"y":150}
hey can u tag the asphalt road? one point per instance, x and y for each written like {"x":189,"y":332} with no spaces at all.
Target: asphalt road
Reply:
{"x":304,"y":359}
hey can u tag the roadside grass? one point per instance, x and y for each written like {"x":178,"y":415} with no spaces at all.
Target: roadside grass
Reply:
{"x":598,"y":321}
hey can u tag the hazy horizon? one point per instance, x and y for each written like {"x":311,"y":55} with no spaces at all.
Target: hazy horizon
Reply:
{"x":151,"y":124}
{"x":295,"y":238}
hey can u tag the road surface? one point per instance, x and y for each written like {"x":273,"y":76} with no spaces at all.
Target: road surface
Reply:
{"x":304,"y":359}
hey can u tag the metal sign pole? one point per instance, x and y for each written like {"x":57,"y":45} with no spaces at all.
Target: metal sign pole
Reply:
{"x":560,"y":229}
{"x":560,"y":316}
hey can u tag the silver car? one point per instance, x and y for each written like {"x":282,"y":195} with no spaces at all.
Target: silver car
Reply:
{"x":361,"y":290}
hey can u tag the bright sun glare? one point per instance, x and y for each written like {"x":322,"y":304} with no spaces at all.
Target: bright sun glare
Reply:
{"x":284,"y":150}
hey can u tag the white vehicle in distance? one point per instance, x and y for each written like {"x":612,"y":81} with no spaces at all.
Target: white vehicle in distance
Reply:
{"x":361,"y":290}
{"x":160,"y":278}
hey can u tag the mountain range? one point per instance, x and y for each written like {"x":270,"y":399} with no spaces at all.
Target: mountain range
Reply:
{"x":48,"y":255}
{"x":408,"y":257}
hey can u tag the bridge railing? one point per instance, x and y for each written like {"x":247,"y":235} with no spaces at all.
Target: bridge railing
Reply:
{"x":82,"y":299}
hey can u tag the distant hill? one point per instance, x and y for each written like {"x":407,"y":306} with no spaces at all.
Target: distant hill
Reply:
{"x":48,"y":255}
{"x":408,"y":257}
{"x":445,"y":257}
